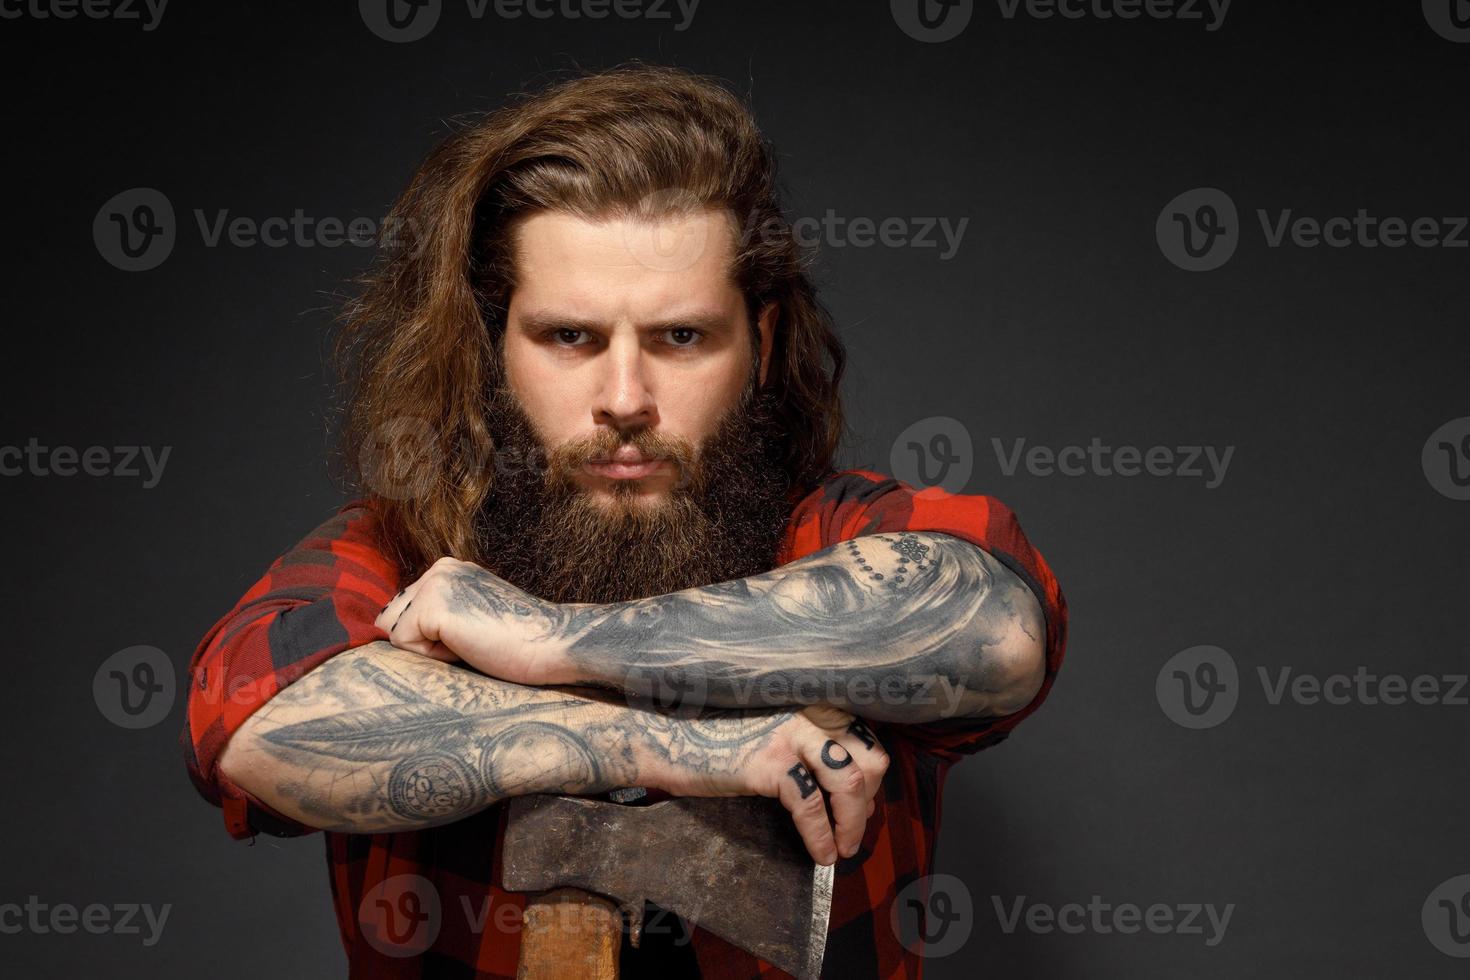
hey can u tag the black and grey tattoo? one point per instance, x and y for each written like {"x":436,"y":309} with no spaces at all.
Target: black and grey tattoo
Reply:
{"x":901,"y":627}
{"x":806,"y":783}
{"x":833,"y":761}
{"x":378,"y":740}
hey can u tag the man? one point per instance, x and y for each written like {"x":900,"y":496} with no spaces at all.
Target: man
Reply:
{"x":594,"y":405}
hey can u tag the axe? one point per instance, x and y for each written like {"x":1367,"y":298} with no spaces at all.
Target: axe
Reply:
{"x":732,"y":865}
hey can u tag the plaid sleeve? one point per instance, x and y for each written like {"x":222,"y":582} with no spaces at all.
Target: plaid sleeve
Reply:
{"x":858,"y":502}
{"x":315,"y":601}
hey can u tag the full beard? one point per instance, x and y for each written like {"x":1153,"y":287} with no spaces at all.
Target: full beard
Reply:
{"x":721,"y":519}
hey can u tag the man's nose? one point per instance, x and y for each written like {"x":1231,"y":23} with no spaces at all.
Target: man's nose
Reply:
{"x":624,"y":398}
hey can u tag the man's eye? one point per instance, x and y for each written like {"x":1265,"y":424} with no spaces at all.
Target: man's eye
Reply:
{"x":567,"y":337}
{"x":683,"y":336}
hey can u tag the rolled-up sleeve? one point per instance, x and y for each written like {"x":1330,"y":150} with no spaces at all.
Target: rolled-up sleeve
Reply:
{"x":858,"y":502}
{"x":317,"y":600}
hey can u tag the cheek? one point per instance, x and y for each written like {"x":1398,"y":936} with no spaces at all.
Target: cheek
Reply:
{"x":694,"y":409}
{"x":544,"y":394}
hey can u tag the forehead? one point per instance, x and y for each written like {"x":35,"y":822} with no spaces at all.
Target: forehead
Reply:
{"x":623,"y":265}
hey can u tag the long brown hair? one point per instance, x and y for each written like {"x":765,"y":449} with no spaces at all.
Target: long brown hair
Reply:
{"x":418,"y":351}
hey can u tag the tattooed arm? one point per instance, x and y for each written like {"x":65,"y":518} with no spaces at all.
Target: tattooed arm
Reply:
{"x":906,"y":627}
{"x":378,"y":740}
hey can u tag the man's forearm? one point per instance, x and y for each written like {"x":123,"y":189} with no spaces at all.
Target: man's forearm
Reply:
{"x":903,"y":627}
{"x":378,"y":740}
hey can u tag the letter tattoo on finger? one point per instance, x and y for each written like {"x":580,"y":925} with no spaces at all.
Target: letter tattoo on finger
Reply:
{"x":832,"y":762}
{"x":860,"y":730}
{"x":805,"y":781}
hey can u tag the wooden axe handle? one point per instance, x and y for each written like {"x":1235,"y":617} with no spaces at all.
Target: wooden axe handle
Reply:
{"x":569,"y":934}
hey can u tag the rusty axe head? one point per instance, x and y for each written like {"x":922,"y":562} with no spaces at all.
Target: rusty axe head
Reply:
{"x":733,"y":866}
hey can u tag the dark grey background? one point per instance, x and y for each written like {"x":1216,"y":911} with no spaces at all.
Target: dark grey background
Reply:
{"x":1325,"y":548}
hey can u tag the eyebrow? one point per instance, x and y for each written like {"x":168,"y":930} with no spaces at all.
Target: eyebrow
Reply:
{"x":539,"y":321}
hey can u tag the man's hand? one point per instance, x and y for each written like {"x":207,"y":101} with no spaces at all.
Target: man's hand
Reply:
{"x":459,"y":611}
{"x":814,"y":761}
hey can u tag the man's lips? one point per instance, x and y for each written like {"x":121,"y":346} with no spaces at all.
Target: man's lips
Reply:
{"x":623,"y":467}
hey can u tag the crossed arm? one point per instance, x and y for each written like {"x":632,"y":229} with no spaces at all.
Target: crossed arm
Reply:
{"x":904,"y":628}
{"x":378,"y":740}
{"x":781,"y":667}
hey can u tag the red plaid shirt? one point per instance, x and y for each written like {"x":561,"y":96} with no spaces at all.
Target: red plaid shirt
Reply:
{"x":321,"y":598}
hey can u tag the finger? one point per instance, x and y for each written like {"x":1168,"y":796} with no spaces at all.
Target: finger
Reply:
{"x":870,"y":755}
{"x":801,"y":794}
{"x":395,"y":606}
{"x":837,"y":772}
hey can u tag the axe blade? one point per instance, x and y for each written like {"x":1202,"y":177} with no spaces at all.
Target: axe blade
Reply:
{"x":734,"y":866}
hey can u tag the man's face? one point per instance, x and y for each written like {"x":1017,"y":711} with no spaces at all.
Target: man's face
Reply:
{"x":636,"y":452}
{"x":626,"y":342}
